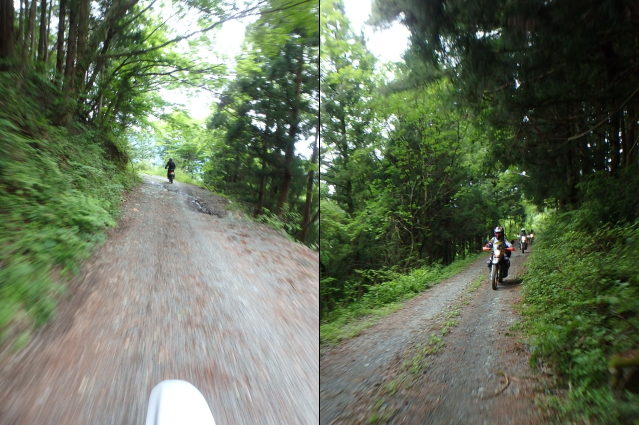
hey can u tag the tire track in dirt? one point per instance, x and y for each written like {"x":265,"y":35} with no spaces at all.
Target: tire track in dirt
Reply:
{"x":224,"y":303}
{"x":459,"y":383}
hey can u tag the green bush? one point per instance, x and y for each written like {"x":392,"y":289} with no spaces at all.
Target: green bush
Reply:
{"x":381,"y":298}
{"x":288,"y":221}
{"x":581,"y":303}
{"x":58,"y":191}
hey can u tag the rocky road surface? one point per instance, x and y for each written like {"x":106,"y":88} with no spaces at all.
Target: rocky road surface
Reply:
{"x":477,"y":374}
{"x":214,"y":299}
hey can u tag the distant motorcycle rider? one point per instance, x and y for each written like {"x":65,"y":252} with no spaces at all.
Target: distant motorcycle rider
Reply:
{"x":499,"y":236}
{"x":171,"y":166}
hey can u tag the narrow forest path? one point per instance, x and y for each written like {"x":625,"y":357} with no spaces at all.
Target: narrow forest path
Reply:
{"x":403,"y":371}
{"x":219,"y":301}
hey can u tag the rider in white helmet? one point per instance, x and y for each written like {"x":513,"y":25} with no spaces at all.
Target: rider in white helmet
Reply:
{"x":499,"y":236}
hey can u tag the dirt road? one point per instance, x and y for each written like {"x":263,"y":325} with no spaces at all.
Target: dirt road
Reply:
{"x":449,"y":356}
{"x":226,"y":304}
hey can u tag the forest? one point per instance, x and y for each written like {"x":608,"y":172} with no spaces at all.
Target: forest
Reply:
{"x":83,"y":111}
{"x":522,"y":114}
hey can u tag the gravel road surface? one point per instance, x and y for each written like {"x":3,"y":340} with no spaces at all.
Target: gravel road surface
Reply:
{"x":480,"y":375}
{"x":214,"y":299}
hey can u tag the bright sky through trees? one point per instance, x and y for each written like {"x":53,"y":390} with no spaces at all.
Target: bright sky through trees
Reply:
{"x":229,"y":40}
{"x":386,"y":45}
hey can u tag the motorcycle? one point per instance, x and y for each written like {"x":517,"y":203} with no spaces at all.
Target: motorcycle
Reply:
{"x":171,"y":176}
{"x":497,"y":262}
{"x":531,"y":237}
{"x":175,"y":402}
{"x":523,"y":243}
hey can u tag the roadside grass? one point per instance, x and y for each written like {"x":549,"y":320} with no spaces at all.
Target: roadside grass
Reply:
{"x":581,"y":313}
{"x":59,"y":189}
{"x":383,"y":299}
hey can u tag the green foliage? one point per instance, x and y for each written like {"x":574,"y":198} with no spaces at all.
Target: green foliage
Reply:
{"x":581,"y":302}
{"x":288,"y":221}
{"x":178,"y":136}
{"x":58,"y":191}
{"x":560,"y":99}
{"x":263,"y":116}
{"x":608,"y":200}
{"x":408,"y":179}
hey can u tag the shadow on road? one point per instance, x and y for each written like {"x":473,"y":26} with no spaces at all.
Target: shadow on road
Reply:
{"x":510,"y":284}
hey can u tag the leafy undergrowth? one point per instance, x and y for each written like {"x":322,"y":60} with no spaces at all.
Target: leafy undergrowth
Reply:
{"x":380,"y":300}
{"x":581,"y":308}
{"x":58,"y":191}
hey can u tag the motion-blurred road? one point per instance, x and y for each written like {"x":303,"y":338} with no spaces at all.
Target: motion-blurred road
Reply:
{"x":226,"y":304}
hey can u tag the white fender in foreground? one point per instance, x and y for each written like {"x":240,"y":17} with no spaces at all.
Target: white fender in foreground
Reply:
{"x":174,"y":402}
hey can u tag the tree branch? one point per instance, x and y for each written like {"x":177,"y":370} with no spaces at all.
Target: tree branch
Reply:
{"x":239,"y":15}
{"x":605,"y":119}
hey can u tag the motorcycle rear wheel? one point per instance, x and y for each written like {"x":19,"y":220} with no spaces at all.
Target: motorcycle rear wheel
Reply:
{"x":493,"y":276}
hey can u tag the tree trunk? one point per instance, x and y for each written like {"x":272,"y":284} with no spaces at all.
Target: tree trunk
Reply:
{"x":69,"y":71}
{"x":19,"y":36}
{"x":288,"y":175}
{"x":32,"y":27}
{"x":629,"y":141}
{"x":60,"y":47}
{"x":292,"y":134}
{"x":309,"y":191}
{"x":262,"y":193}
{"x":614,"y":143}
{"x":46,"y":40}
{"x":83,"y":35}
{"x":42,"y":48}
{"x":26,"y":42}
{"x":72,"y":45}
{"x":7,"y":36}
{"x":99,"y":67}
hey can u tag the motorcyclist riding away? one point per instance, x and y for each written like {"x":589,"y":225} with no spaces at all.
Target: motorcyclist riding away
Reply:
{"x":170,"y":165}
{"x":499,"y":236}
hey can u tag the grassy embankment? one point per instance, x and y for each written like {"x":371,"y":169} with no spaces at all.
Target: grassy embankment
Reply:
{"x":581,"y":306}
{"x":59,"y":189}
{"x":380,"y":300}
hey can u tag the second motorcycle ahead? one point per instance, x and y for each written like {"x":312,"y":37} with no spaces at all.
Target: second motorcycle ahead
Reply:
{"x":523,"y":243}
